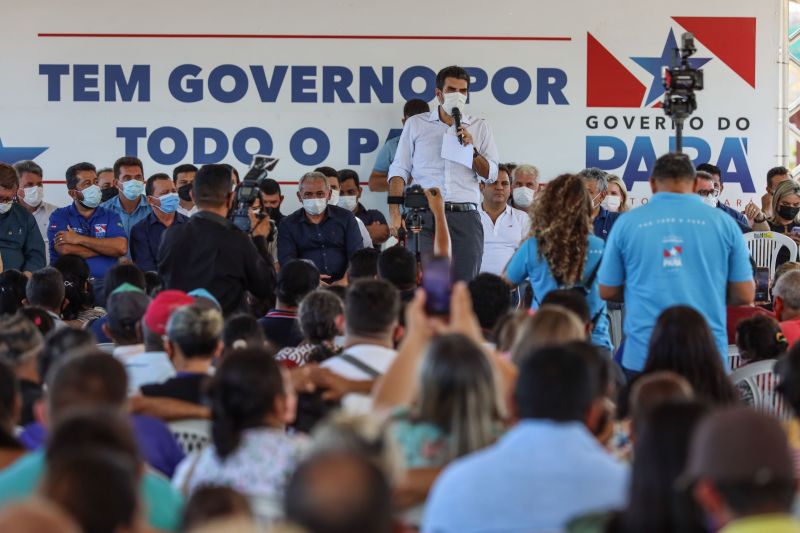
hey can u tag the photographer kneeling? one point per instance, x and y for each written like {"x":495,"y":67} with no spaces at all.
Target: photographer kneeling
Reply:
{"x":209,"y":252}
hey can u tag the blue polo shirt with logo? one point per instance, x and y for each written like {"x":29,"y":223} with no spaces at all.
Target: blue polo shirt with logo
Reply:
{"x":103,"y":224}
{"x":673,"y":251}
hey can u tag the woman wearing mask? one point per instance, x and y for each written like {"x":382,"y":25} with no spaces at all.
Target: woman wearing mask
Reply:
{"x":561,"y":252}
{"x":617,"y":199}
{"x":785,"y":209}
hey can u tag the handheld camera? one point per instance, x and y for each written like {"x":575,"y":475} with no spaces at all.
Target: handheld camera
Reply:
{"x":248,"y":190}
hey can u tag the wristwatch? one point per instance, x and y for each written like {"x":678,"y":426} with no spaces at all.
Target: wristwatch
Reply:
{"x":475,"y":153}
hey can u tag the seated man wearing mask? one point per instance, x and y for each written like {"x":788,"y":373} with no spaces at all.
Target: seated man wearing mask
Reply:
{"x":325,"y":234}
{"x":596,"y":181}
{"x":350,"y":198}
{"x":85,"y":229}
{"x":524,"y":184}
{"x":182,"y":177}
{"x":129,"y":204}
{"x":146,"y":235}
{"x":30,"y":195}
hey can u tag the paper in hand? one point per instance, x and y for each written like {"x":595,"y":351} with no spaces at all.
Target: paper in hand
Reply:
{"x":453,"y":151}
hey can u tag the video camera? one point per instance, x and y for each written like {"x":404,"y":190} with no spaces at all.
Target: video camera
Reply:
{"x":415,"y":202}
{"x":248,"y":190}
{"x":680,"y":83}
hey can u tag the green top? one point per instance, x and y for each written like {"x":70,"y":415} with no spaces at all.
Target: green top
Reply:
{"x":163,"y":504}
{"x":768,"y":523}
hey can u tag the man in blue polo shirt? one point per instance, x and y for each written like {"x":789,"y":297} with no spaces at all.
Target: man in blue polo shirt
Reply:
{"x":84,"y":229}
{"x":674,"y":251}
{"x":129,"y":204}
{"x":145,"y":238}
{"x":596,"y":181}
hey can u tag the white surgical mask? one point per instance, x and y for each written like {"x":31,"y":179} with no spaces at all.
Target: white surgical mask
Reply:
{"x":523,"y":196}
{"x":334,"y":197}
{"x":452,"y":100}
{"x":315,"y":206}
{"x":612,"y":203}
{"x":710,"y":200}
{"x":33,"y":195}
{"x":348,"y":202}
{"x":5,"y":208}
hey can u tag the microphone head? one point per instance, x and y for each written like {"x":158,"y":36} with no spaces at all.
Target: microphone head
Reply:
{"x":456,"y":112}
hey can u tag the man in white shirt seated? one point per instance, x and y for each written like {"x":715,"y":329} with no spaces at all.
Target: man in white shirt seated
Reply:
{"x":504,"y":227}
{"x":372,"y":310}
{"x":126,"y":307}
{"x":30,"y":195}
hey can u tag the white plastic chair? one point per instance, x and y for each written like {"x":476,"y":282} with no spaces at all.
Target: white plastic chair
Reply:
{"x":765,"y":246}
{"x":758,"y":381}
{"x":192,"y":434}
{"x":734,"y":359}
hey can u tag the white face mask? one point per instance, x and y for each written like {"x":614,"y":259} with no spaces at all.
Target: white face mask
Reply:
{"x":5,"y":207}
{"x":348,"y":202}
{"x":523,"y":196}
{"x":612,"y":203}
{"x":315,"y":206}
{"x":452,"y":100}
{"x":334,"y":197}
{"x":33,"y":196}
{"x":710,"y":200}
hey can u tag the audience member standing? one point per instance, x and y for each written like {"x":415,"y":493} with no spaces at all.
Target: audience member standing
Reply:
{"x":597,"y":183}
{"x":209,"y":252}
{"x":378,"y":181}
{"x":674,"y":251}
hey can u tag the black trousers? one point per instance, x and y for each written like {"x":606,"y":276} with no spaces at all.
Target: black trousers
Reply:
{"x":466,"y":241}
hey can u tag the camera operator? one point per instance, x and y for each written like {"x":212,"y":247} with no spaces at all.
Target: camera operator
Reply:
{"x":209,"y":252}
{"x":419,"y":155}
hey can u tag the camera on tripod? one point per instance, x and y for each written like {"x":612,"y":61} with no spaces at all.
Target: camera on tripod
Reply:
{"x":415,"y":203}
{"x":681,"y":81}
{"x":249,"y":189}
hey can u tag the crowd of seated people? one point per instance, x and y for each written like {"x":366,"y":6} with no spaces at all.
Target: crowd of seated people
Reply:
{"x":163,"y":370}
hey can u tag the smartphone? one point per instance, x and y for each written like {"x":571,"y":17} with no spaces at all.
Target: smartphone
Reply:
{"x":796,"y":230}
{"x":762,"y":285}
{"x":437,"y":280}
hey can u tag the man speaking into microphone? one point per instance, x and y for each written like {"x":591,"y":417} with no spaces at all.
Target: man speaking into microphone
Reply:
{"x":455,"y":157}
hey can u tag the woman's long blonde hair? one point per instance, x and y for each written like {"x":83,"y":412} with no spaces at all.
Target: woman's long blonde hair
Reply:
{"x":616,"y":180}
{"x":561,"y":219}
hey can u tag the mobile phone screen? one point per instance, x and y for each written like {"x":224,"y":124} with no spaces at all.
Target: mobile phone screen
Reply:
{"x":762,"y":285}
{"x":437,"y":280}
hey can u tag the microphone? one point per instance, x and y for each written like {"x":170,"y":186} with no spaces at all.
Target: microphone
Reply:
{"x":456,"y":113}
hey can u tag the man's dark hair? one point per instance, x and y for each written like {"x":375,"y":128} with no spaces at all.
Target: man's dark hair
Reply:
{"x":398,"y":266}
{"x":28,"y":166}
{"x":123,"y":273}
{"x":62,"y":344}
{"x":150,"y":184}
{"x":747,"y":499}
{"x":104,"y":169}
{"x":555,"y":383}
{"x":46,"y":289}
{"x":91,"y":380}
{"x":212,"y":185}
{"x":491,"y":299}
{"x":270,"y":186}
{"x":180,"y":169}
{"x":127,"y":161}
{"x":71,"y":174}
{"x":714,"y":170}
{"x":415,"y":106}
{"x":313,"y":503}
{"x":8,"y":177}
{"x":451,"y":72}
{"x":328,"y":172}
{"x":364,"y":264}
{"x":776,"y":171}
{"x":296,"y":279}
{"x":673,"y":166}
{"x":571,"y":300}
{"x":371,"y":307}
{"x":349,"y":174}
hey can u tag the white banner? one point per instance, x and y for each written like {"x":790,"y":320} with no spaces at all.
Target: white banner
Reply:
{"x":564,"y":84}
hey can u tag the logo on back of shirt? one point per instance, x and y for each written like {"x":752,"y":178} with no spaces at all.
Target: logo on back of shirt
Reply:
{"x":100,"y":230}
{"x":672,"y":257}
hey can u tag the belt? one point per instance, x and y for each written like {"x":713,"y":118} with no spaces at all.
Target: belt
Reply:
{"x":461,"y":207}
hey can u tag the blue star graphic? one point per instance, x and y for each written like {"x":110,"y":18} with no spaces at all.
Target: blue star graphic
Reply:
{"x":656,"y":65}
{"x":12,"y":155}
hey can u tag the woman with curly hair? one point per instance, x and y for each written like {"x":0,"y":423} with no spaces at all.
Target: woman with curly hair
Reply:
{"x":561,"y":252}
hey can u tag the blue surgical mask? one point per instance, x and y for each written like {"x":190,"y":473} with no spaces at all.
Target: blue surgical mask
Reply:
{"x":133,"y":189}
{"x":91,"y":196}
{"x":169,"y":203}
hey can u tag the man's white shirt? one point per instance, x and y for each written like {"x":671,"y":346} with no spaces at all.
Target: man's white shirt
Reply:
{"x":419,"y":155}
{"x":377,"y":357}
{"x":42,"y":215}
{"x":502,"y":238}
